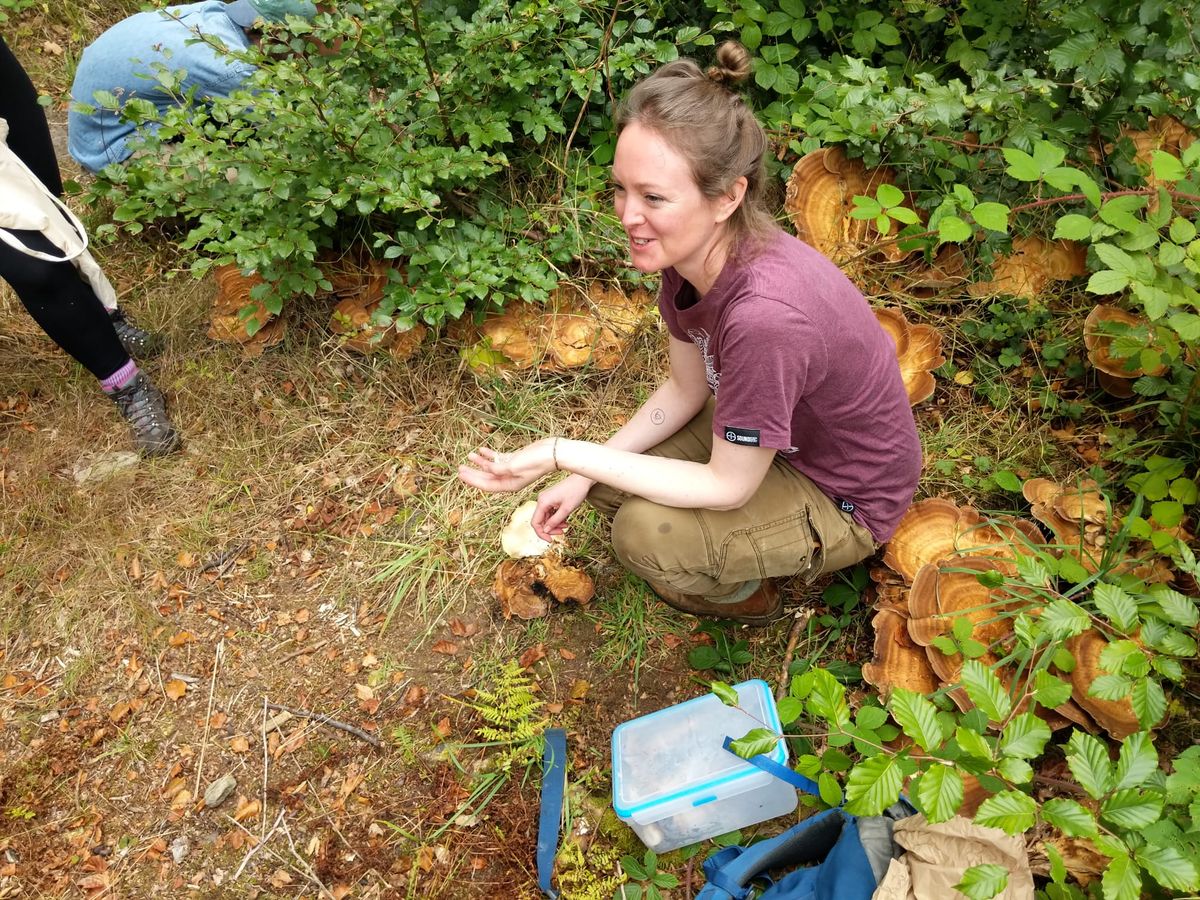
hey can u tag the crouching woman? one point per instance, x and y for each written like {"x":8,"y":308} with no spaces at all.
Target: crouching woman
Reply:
{"x":782,"y":442}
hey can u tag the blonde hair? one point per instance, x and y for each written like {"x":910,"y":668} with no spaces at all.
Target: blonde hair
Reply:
{"x":707,"y":122}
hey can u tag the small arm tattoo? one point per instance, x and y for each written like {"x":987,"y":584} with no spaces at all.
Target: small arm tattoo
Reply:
{"x":658,"y":417}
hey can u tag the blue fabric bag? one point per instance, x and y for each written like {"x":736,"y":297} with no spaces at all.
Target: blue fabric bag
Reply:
{"x":843,"y":857}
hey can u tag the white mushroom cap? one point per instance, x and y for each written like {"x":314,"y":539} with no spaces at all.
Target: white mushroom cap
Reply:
{"x":518,"y":538}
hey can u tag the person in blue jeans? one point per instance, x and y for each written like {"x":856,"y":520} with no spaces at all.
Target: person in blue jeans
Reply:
{"x":55,"y":293}
{"x":201,"y":40}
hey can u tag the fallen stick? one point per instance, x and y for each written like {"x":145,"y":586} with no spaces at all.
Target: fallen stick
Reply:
{"x":802,"y":616}
{"x":329,"y":722}
{"x":305,"y":651}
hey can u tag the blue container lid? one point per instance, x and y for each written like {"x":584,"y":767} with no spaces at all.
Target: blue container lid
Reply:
{"x":676,"y":752}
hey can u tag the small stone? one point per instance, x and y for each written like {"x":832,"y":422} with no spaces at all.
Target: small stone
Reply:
{"x":103,"y":465}
{"x":179,"y":848}
{"x":220,"y":791}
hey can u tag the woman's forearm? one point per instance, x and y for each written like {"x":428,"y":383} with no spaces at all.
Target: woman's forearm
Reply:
{"x":670,"y":482}
{"x":666,"y":411}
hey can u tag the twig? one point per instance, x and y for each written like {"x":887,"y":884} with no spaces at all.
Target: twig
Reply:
{"x":305,"y":650}
{"x":266,"y":766}
{"x":222,"y":560}
{"x":258,"y":843}
{"x":212,"y":688}
{"x":322,"y":719}
{"x":802,"y":617}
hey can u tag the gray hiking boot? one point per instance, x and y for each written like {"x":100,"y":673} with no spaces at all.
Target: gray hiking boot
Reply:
{"x":138,"y":342}
{"x":142,"y":405}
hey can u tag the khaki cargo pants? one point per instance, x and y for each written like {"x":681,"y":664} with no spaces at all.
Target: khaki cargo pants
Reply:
{"x":787,"y":528}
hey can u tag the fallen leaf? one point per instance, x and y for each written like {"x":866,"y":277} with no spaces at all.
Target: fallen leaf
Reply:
{"x":54,"y":49}
{"x":580,"y":688}
{"x":185,"y":560}
{"x":218,"y":719}
{"x":445,"y":647}
{"x":120,"y":711}
{"x":443,"y":727}
{"x":425,"y":858}
{"x":414,"y":696}
{"x":246,"y":809}
{"x":532,"y":655}
{"x":302,"y":616}
{"x":477,"y":863}
{"x":281,"y":877}
{"x":364,"y":692}
{"x":565,"y":653}
{"x":175,"y":689}
{"x":239,"y":744}
{"x":461,"y":629}
{"x":180,"y":638}
{"x":554,"y":708}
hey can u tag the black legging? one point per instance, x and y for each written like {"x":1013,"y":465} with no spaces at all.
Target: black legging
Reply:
{"x":57,"y":297}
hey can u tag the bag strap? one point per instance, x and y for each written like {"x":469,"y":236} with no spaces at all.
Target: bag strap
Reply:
{"x":554,"y":785}
{"x":72,"y":220}
{"x":781,"y":772}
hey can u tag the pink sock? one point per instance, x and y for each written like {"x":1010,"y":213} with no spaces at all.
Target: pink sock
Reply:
{"x":119,"y":378}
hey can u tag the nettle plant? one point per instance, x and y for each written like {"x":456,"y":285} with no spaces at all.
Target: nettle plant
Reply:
{"x":465,"y":142}
{"x":989,"y":730}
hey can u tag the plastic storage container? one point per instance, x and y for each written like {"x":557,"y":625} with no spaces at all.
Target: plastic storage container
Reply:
{"x":673,"y":782}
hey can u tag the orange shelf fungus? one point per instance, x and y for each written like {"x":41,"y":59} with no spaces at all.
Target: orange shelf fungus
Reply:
{"x":918,"y":351}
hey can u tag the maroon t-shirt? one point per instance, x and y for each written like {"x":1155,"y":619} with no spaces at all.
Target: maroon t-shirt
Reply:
{"x":798,"y":362}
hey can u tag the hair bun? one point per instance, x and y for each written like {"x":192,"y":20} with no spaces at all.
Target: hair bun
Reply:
{"x":733,"y":64}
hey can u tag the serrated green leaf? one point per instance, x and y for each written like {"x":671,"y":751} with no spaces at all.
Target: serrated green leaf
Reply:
{"x":1015,"y":771}
{"x":1063,"y":619}
{"x":633,"y":868}
{"x":1166,"y":167}
{"x":1182,"y":231}
{"x":870,"y":717}
{"x":1021,"y":165}
{"x":917,"y":716}
{"x":1132,"y":809}
{"x":1137,"y":760}
{"x":1049,"y":691}
{"x":836,"y":760}
{"x":1010,"y":811}
{"x":982,"y":882}
{"x":1058,"y":868}
{"x":952,"y":229}
{"x":1073,"y":227}
{"x":1177,"y":609}
{"x":1169,"y":867}
{"x":939,"y":792}
{"x":1149,"y":702}
{"x":1089,"y":763}
{"x":725,"y":693}
{"x":828,"y":699}
{"x":874,"y":785}
{"x":1024,"y":737}
{"x":830,"y":790}
{"x":790,"y":709}
{"x":1115,"y":605}
{"x":973,"y":743}
{"x":1070,"y":817}
{"x":1122,"y":880}
{"x":985,"y":690}
{"x":754,"y":742}
{"x":992,"y":216}
{"x":1107,"y":281}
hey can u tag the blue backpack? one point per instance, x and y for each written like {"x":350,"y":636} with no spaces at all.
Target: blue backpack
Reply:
{"x":842,"y":857}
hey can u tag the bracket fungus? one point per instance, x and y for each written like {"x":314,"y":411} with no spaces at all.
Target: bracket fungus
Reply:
{"x":918,"y":350}
{"x":937,"y":529}
{"x":1114,"y":716}
{"x":819,"y":200}
{"x":233,"y":310}
{"x":526,"y":587}
{"x":1078,"y":516}
{"x":898,"y":661}
{"x":568,"y":332}
{"x":518,"y":539}
{"x":1116,"y":375}
{"x":1031,"y":266}
{"x":360,"y":285}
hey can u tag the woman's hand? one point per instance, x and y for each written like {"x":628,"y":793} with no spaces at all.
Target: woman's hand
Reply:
{"x":556,"y":503}
{"x":496,"y":472}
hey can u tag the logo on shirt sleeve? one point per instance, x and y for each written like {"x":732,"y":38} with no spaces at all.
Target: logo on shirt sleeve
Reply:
{"x":746,"y":437}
